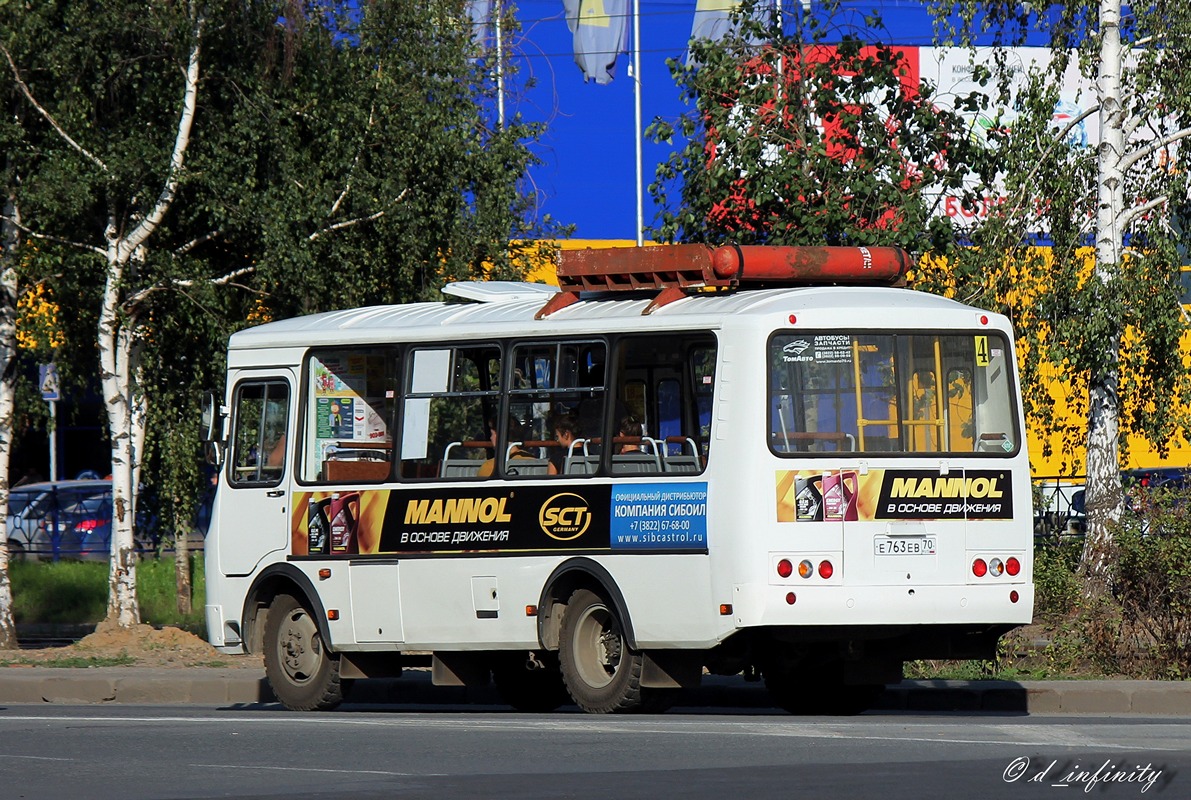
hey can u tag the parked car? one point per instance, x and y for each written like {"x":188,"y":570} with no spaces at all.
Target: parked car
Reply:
{"x":1139,"y":486}
{"x":39,"y":514}
{"x":87,"y":529}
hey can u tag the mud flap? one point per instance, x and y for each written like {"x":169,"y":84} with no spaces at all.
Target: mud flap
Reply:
{"x":671,"y":669}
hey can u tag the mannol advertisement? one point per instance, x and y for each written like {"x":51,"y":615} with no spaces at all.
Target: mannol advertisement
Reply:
{"x":592,"y":517}
{"x":888,"y":494}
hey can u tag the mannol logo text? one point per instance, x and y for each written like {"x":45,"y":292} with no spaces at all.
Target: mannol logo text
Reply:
{"x":456,"y":510}
{"x":564,"y":517}
{"x":946,"y":487}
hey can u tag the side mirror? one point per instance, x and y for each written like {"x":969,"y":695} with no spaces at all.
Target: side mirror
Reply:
{"x":212,"y":429}
{"x":212,"y":419}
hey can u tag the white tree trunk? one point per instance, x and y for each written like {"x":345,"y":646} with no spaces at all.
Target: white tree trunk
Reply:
{"x":115,"y":377}
{"x":118,"y":362}
{"x":1104,"y":499}
{"x":8,"y":342}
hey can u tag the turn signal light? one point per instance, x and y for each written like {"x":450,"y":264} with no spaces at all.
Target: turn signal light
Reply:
{"x":805,"y":569}
{"x":785,"y":568}
{"x":979,"y":568}
{"x":996,"y":567}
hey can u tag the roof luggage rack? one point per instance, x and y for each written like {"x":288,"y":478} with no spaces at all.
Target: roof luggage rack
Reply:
{"x":674,"y":268}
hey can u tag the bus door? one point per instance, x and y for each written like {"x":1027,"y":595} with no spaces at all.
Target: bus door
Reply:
{"x":255,"y":517}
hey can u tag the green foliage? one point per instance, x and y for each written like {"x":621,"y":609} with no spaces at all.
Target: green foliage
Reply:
{"x":158,"y":597}
{"x":339,"y":156}
{"x":793,"y":142}
{"x":1151,"y":582}
{"x":74,"y":662}
{"x":75,"y":592}
{"x":59,"y":593}
{"x":1104,"y":325}
{"x":1057,"y":587}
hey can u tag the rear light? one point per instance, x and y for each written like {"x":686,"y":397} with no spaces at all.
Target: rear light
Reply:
{"x":791,"y":598}
{"x":805,"y":569}
{"x":1013,"y":596}
{"x":996,"y":567}
{"x":785,"y":568}
{"x":88,"y":525}
{"x":825,"y":569}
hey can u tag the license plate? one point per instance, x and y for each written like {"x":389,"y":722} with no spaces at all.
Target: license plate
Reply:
{"x":904,"y":546}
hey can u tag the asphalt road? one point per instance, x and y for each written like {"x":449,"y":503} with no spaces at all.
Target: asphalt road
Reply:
{"x":449,"y":751}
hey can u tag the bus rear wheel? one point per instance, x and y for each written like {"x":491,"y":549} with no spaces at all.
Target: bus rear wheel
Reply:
{"x":303,"y":674}
{"x":530,"y":683}
{"x":601,"y":672}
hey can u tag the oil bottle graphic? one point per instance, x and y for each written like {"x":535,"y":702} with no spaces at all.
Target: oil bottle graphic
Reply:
{"x":317,"y":525}
{"x":808,"y":498}
{"x":839,"y":495}
{"x":344,"y":512}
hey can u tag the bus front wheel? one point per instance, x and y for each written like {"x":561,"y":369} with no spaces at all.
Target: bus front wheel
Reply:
{"x":303,"y":674}
{"x":601,"y":672}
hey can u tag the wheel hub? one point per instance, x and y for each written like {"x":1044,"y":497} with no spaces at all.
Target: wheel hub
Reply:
{"x":299,"y":647}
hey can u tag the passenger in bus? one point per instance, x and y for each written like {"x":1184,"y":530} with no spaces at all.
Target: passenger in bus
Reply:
{"x":276,"y":457}
{"x":566,"y":432}
{"x":516,"y":433}
{"x":632,"y":429}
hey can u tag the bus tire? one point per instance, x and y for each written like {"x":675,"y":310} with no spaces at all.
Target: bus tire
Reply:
{"x":601,"y":672}
{"x":302,"y":672}
{"x":530,"y":686}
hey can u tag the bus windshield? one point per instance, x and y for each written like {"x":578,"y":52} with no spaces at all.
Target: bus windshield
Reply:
{"x":832,"y":392}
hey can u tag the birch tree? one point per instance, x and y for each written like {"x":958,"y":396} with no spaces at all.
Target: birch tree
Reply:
{"x":131,"y":214}
{"x":9,"y":248}
{"x":1117,"y":299}
{"x":211,"y":164}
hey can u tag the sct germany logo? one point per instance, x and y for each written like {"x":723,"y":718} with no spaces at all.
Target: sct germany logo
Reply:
{"x":564,"y":517}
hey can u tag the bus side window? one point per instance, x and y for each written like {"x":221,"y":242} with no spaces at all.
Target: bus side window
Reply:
{"x":350,"y":405}
{"x":666,"y":385}
{"x":260,"y":415}
{"x":452,"y":396}
{"x":558,"y":400}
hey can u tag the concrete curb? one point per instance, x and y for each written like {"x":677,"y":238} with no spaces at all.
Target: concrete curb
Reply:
{"x":247,"y":686}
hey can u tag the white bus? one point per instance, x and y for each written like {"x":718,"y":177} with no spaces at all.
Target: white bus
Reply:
{"x":682,"y":461}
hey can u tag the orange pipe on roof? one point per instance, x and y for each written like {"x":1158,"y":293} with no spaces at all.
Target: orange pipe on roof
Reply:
{"x":812,"y":265}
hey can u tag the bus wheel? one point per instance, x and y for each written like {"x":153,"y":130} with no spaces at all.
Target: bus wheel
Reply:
{"x":530,"y":683}
{"x":601,"y":672}
{"x":304,"y":675}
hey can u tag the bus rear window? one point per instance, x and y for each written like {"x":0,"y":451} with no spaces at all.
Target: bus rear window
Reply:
{"x":891,"y":393}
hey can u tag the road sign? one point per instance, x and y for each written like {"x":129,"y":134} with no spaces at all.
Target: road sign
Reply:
{"x":48,"y":381}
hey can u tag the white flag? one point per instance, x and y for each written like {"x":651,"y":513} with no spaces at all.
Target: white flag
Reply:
{"x":599,"y":29}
